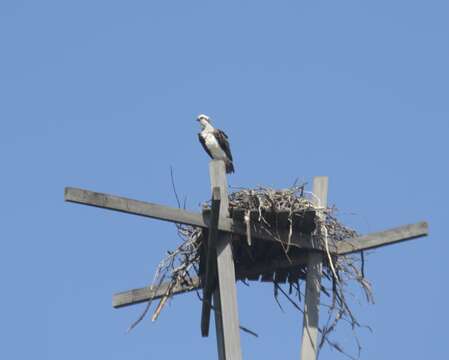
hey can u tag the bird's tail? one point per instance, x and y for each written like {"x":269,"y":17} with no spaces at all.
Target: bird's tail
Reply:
{"x":229,"y":167}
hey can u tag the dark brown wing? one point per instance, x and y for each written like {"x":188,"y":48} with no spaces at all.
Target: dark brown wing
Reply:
{"x":203,"y":142}
{"x":222,"y":139}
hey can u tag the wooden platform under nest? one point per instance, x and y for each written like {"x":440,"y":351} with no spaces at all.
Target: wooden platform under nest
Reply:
{"x":268,"y":260}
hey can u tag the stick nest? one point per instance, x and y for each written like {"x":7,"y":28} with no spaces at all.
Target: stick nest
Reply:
{"x":288,"y":216}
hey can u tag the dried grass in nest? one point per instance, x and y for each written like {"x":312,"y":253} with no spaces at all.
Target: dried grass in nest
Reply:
{"x":259,"y":206}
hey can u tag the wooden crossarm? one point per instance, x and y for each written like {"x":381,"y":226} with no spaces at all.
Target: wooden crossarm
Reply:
{"x":137,"y":296}
{"x":135,"y":207}
{"x":387,"y":237}
{"x":181,"y":216}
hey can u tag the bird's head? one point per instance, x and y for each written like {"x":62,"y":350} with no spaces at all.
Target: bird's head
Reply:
{"x":204,"y":121}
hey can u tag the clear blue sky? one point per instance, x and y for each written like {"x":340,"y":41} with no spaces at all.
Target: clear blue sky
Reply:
{"x":103,"y":95}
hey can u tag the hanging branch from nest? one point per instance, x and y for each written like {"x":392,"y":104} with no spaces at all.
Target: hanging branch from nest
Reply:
{"x":179,"y":266}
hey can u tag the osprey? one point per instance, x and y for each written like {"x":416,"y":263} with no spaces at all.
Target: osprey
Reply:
{"x":215,"y":142}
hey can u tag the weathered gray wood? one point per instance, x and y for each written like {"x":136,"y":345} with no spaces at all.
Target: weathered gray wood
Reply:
{"x":309,"y":343}
{"x":211,"y":262}
{"x":219,"y":325}
{"x":137,"y":296}
{"x":387,"y":237}
{"x":226,"y":314}
{"x":134,"y":207}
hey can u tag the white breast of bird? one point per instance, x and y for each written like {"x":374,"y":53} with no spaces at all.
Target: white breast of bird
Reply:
{"x":214,"y":147}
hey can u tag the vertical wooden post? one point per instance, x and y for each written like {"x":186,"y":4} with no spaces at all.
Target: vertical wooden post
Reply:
{"x":309,"y":343}
{"x":225,"y":297}
{"x":219,"y":325}
{"x":211,"y":262}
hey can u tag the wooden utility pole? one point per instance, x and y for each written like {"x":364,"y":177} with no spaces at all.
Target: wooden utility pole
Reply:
{"x":220,"y":276}
{"x":225,"y":296}
{"x":309,"y":343}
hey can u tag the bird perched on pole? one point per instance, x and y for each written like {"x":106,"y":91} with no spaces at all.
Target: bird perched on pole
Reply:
{"x":215,"y":142}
